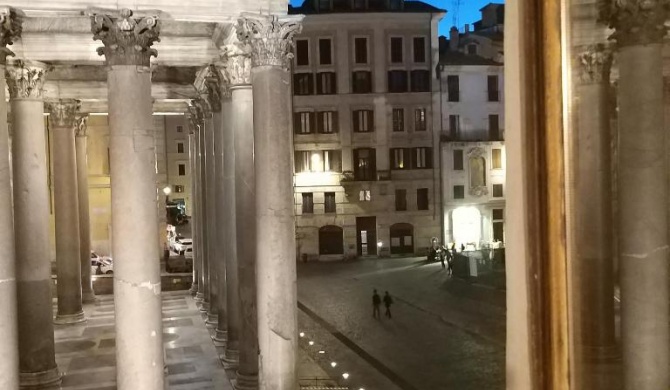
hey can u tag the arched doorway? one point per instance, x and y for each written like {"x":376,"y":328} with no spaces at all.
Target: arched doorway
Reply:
{"x":402,"y":239}
{"x":331,"y":240}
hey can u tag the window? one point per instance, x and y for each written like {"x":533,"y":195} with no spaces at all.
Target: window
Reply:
{"x":325,"y":52}
{"x":329,"y":202}
{"x":302,"y":52}
{"x":400,"y":158}
{"x":398,"y":115}
{"x":422,"y":199}
{"x":498,"y":225}
{"x":363,"y":121}
{"x":178,"y":189}
{"x":180,"y":147}
{"x":318,"y":161}
{"x":420,"y":119}
{"x":400,"y":200}
{"x":455,"y":126}
{"x":364,"y":195}
{"x":459,"y":192}
{"x":396,"y":50}
{"x":472,"y":50}
{"x":496,"y":158}
{"x":303,"y":84}
{"x":360,"y":50}
{"x":327,"y":122}
{"x":361,"y":81}
{"x":397,"y":81}
{"x":365,"y":164}
{"x":497,"y":214}
{"x":453,"y":88}
{"x":182,"y":169}
{"x":458,"y":159}
{"x":494,"y":128}
{"x":307,"y":203}
{"x":420,"y":81}
{"x":419,"y":49}
{"x":423,"y":158}
{"x":303,"y":122}
{"x":494,"y":93}
{"x":326,"y":83}
{"x":497,"y":190}
{"x":180,"y":129}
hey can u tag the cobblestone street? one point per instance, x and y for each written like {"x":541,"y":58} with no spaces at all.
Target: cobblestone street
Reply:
{"x":445,"y":333}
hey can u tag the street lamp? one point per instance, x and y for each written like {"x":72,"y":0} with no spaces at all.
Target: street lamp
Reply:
{"x":167,"y":190}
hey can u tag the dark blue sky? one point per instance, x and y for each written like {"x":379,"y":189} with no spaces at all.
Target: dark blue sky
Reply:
{"x":468,"y":11}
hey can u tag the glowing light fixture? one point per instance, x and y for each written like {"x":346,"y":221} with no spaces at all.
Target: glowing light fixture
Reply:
{"x":345,"y":375}
{"x":467,"y":224}
{"x":322,"y":351}
{"x":311,"y":343}
{"x":333,"y":364}
{"x":302,"y":334}
{"x":167,"y":190}
{"x":379,"y":244}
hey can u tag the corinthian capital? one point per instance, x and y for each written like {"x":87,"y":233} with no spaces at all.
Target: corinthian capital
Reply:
{"x":270,"y":38}
{"x":127,"y":40}
{"x":593,"y":64}
{"x":81,"y":125}
{"x":25,"y":79}
{"x":63,"y":112}
{"x":209,"y":84}
{"x":636,"y":22}
{"x":11,"y":25}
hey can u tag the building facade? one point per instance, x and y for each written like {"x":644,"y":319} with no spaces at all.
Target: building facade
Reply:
{"x":365,"y":140}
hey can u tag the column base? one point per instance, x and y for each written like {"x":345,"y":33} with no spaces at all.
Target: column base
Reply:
{"x":246,"y":382}
{"x":204,"y":306}
{"x":212,"y":318}
{"x":199,"y":296}
{"x":194,"y":289}
{"x":230,"y":358}
{"x":220,"y":336}
{"x":67,"y":319}
{"x":88,"y":297}
{"x":41,"y":380}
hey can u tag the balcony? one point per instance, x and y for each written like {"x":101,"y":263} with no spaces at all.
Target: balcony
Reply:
{"x":481,"y":135}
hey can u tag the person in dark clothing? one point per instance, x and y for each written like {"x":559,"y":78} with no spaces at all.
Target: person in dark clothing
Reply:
{"x":376,"y":302}
{"x":388,"y":301}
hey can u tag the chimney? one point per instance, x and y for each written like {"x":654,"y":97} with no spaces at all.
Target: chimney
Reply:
{"x":467,"y":28}
{"x":453,"y":39}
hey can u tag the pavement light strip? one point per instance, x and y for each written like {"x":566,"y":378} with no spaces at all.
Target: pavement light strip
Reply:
{"x":345,"y":375}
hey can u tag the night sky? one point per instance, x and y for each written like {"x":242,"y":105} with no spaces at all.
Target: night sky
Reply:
{"x":468,"y":11}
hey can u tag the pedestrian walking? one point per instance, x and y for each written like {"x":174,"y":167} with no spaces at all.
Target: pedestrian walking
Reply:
{"x":388,"y":301}
{"x":376,"y":302}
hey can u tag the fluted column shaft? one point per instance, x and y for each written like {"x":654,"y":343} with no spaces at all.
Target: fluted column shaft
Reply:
{"x":205,"y":214}
{"x":212,"y":246}
{"x":194,"y":217}
{"x":197,"y":224}
{"x":81,"y":140}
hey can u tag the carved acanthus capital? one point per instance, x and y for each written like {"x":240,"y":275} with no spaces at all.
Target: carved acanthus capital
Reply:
{"x":594,"y":64}
{"x":198,"y":111}
{"x":127,"y":40}
{"x":25,"y":79}
{"x":209,"y":83}
{"x":81,"y":125}
{"x":236,"y":63}
{"x":636,"y":22}
{"x":11,"y":25}
{"x":63,"y":112}
{"x":270,"y":39}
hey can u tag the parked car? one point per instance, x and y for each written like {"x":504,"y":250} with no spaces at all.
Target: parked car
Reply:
{"x":101,"y":265}
{"x":181,"y":244}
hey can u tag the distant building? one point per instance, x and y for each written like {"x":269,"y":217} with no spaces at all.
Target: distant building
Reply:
{"x":366,"y":127}
{"x":473,"y":148}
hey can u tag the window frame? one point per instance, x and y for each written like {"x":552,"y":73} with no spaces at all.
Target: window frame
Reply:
{"x":309,"y":52}
{"x":331,"y":48}
{"x":354,"y":53}
{"x":307,"y":207}
{"x":425,"y":49}
{"x":390,"y":58}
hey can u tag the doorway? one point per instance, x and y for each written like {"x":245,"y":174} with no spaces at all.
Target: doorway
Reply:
{"x":366,"y":236}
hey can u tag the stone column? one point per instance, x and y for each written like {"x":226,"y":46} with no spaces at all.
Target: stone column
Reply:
{"x":196,"y":117}
{"x":10,"y":28}
{"x":81,"y":139}
{"x":192,"y":137}
{"x":62,"y":120}
{"x":271,"y":40}
{"x":205,"y":215}
{"x":31,"y":224}
{"x":643,"y":192}
{"x":127,"y":43}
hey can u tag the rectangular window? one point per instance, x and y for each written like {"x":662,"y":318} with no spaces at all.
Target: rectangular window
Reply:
{"x":497,"y":214}
{"x":496,"y":158}
{"x":318,"y":161}
{"x":459,"y":192}
{"x":400,"y":158}
{"x":455,"y":126}
{"x":422,"y":198}
{"x":497,"y":190}
{"x":307,"y":203}
{"x":363,"y":121}
{"x":494,"y":93}
{"x":332,"y":160}
{"x":398,"y":119}
{"x":420,"y":81}
{"x":325,"y":52}
{"x":400,"y":200}
{"x":365,"y":164}
{"x":303,"y":84}
{"x":180,"y":147}
{"x":327,"y":122}
{"x":182,"y":169}
{"x":326,"y":83}
{"x":302,"y":52}
{"x":180,"y":129}
{"x":423,"y":158}
{"x":458,"y":159}
{"x":360,"y":50}
{"x":397,"y":81}
{"x":329,"y":202}
{"x":419,"y":49}
{"x":453,"y":88}
{"x":361,"y":81}
{"x":364,"y":195}
{"x":302,"y":160}
{"x":178,"y":189}
{"x":396,"y":50}
{"x":494,"y":128}
{"x":420,"y":121}
{"x":303,"y":122}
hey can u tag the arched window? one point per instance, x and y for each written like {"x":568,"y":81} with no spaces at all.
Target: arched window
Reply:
{"x":331,"y":240}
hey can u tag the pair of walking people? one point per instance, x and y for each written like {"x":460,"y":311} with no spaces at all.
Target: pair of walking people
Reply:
{"x":377,"y":301}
